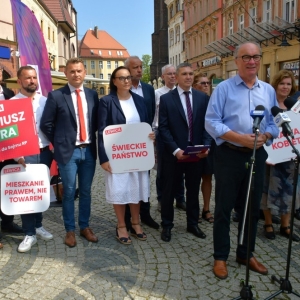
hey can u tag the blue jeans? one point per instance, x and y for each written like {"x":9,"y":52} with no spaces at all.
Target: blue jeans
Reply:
{"x":32,"y":221}
{"x":83,"y":164}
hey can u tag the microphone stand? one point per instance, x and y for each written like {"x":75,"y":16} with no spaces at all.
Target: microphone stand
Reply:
{"x":246,"y":292}
{"x":285,"y":285}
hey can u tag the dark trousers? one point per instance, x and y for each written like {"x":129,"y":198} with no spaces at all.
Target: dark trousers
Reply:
{"x":179,"y":195}
{"x":6,"y":220}
{"x":172,"y":172}
{"x":232,"y":179}
{"x":32,"y":221}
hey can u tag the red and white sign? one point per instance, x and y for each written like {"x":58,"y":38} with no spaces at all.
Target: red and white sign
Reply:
{"x":25,"y":190}
{"x":128,"y":147}
{"x":281,"y":150}
{"x":18,"y":136}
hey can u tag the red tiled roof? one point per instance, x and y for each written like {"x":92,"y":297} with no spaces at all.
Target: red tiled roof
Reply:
{"x":91,"y":45}
{"x":60,"y":11}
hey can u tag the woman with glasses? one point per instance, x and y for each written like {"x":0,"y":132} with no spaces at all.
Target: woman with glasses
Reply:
{"x":122,"y":106}
{"x":278,"y":189}
{"x":202,"y":83}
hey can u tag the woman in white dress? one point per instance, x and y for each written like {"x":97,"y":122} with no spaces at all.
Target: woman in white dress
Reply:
{"x":122,"y":106}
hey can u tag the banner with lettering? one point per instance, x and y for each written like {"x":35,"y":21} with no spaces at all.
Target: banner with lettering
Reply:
{"x":281,"y":150}
{"x":25,"y":190}
{"x":128,"y":147}
{"x":18,"y":136}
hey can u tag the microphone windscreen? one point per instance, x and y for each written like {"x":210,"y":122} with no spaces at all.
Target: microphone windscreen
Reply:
{"x":290,"y":101}
{"x":260,"y":107}
{"x":275,"y":110}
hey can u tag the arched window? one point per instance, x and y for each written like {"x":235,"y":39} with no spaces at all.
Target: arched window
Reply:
{"x":171,"y":37}
{"x":101,"y":91}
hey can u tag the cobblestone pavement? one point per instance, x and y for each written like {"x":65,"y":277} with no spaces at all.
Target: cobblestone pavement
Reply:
{"x":181,"y":269}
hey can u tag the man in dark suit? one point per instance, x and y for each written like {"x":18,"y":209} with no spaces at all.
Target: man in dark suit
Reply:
{"x":69,"y":122}
{"x":181,"y":124}
{"x":7,"y":222}
{"x":134,"y":64}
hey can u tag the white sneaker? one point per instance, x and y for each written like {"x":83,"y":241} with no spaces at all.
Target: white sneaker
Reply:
{"x":43,"y":233}
{"x":26,"y":244}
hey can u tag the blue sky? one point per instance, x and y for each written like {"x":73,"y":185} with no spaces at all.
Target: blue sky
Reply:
{"x":130,"y":22}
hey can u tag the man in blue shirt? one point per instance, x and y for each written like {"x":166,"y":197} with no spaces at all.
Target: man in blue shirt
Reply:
{"x":229,"y":122}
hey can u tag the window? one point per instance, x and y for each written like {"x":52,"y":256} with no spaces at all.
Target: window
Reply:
{"x":171,"y":37}
{"x":92,"y":64}
{"x":253,"y":15}
{"x":241,"y":22}
{"x":177,"y":5}
{"x":108,"y":64}
{"x":65,"y":48}
{"x":177,"y":31}
{"x":84,"y":63}
{"x":101,"y":76}
{"x":49,"y":34}
{"x":116,"y":64}
{"x":73,"y":50}
{"x":53,"y":38}
{"x":171,"y":11}
{"x":109,"y":52}
{"x":101,"y":91}
{"x":267,"y":10}
{"x":100,"y":64}
{"x":100,"y":52}
{"x":289,"y":11}
{"x":121,"y":53}
{"x":108,"y":76}
{"x":42,"y":25}
{"x":230,"y":27}
{"x":207,"y":37}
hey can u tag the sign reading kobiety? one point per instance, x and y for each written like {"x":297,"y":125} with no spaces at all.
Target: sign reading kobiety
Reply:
{"x":128,"y":147}
{"x":18,"y":136}
{"x":25,"y":190}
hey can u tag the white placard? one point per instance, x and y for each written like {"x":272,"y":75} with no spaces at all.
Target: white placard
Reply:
{"x":128,"y":147}
{"x":25,"y":190}
{"x":281,"y":150}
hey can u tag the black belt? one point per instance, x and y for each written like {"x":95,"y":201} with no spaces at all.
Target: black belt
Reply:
{"x":82,"y":146}
{"x":43,"y":149}
{"x":237,"y":148}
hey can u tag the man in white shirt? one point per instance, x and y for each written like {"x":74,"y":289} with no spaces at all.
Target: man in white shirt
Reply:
{"x":168,"y":76}
{"x":145,"y":90}
{"x":32,"y":223}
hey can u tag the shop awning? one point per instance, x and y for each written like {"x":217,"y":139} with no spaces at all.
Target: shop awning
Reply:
{"x":262,"y":33}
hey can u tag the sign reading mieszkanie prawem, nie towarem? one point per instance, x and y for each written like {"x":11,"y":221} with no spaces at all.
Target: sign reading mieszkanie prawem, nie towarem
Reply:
{"x":18,"y":136}
{"x":25,"y":190}
{"x":128,"y":147}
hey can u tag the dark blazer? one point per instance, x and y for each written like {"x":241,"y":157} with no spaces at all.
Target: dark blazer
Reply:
{"x":111,"y":113}
{"x":173,"y":127}
{"x":149,"y":98}
{"x":7,"y":93}
{"x":58,"y":122}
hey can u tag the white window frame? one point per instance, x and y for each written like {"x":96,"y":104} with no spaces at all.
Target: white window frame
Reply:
{"x":108,"y":64}
{"x":100,"y":64}
{"x":267,"y":10}
{"x":92,"y":64}
{"x":241,"y":22}
{"x":288,"y":14}
{"x":171,"y":37}
{"x":230,"y":27}
{"x":253,"y":14}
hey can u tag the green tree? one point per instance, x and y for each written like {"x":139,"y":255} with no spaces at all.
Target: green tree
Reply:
{"x":146,"y":59}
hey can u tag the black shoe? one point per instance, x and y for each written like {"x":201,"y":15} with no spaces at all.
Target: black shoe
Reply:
{"x":166,"y":234}
{"x":150,"y":222}
{"x":181,"y":205}
{"x":236,"y":217}
{"x":195,"y":230}
{"x":269,"y":234}
{"x":12,"y":228}
{"x":283,"y":232}
{"x":297,"y":214}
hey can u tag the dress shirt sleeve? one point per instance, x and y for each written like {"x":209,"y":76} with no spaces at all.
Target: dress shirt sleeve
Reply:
{"x":214,"y":115}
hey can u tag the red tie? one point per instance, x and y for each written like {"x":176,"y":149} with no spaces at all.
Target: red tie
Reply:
{"x":82,"y":131}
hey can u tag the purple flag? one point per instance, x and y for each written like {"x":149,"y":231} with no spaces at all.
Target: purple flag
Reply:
{"x":31,"y":43}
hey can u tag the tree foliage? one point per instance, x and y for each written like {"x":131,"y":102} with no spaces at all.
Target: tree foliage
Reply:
{"x":146,"y":59}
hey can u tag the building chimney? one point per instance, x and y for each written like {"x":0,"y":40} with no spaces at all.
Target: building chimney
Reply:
{"x":96,"y":31}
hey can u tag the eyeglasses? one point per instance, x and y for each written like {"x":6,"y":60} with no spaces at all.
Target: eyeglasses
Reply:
{"x":204,"y":82}
{"x":247,"y":58}
{"x":122,"y":78}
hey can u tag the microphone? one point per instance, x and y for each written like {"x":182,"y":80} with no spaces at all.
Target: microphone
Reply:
{"x":282,"y":120}
{"x":257,"y":114}
{"x":293,"y":103}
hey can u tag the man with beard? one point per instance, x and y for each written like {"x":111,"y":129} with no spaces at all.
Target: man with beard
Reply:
{"x":32,"y":223}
